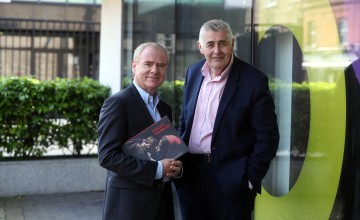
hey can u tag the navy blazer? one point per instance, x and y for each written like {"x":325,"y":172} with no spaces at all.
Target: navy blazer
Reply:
{"x":130,"y":181}
{"x":245,"y":134}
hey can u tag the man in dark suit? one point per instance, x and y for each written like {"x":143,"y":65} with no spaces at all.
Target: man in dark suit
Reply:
{"x":229,"y":123}
{"x":350,"y":174}
{"x":136,"y":189}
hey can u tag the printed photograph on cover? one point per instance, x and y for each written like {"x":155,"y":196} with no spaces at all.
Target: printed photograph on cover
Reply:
{"x":159,"y":141}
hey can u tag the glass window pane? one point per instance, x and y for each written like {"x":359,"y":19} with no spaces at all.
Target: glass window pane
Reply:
{"x":81,"y":1}
{"x":59,"y":1}
{"x":156,"y":21}
{"x":304,"y":48}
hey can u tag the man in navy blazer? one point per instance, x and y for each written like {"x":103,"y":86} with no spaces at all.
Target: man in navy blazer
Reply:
{"x":229,"y":123}
{"x":136,"y":189}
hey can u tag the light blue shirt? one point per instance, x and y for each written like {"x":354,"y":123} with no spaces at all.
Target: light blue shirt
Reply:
{"x":151,"y":103}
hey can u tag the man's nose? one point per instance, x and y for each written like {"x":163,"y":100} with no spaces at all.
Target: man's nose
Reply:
{"x":154,"y":68}
{"x":216,"y":48}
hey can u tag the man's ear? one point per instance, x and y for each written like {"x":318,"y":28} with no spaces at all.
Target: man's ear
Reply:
{"x":199,"y":46}
{"x":133,"y":65}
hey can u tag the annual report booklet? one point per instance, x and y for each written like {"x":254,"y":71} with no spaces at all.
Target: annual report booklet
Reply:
{"x":158,"y":141}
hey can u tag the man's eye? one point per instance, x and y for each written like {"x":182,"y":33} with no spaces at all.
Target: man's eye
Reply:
{"x":161,"y":66}
{"x":147,"y":65}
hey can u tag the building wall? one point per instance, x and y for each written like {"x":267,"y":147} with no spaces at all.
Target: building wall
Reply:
{"x":51,"y":12}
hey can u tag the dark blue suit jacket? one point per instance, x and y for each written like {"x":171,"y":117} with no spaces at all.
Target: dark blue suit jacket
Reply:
{"x":245,"y":132}
{"x":131,"y":192}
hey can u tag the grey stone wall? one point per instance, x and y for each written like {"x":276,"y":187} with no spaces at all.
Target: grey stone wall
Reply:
{"x":51,"y":176}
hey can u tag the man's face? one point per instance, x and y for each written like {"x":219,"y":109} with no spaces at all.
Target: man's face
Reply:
{"x":150,"y":69}
{"x":217,"y":49}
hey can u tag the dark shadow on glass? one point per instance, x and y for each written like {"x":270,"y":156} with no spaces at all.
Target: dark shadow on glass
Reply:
{"x":268,"y":57}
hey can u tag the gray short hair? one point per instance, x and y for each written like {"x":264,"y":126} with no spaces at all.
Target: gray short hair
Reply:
{"x":215,"y":25}
{"x":142,"y":46}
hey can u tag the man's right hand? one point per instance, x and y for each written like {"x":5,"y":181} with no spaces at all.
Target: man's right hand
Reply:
{"x":171,"y":167}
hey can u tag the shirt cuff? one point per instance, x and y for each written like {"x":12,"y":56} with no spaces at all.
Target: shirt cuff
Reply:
{"x":159,"y":171}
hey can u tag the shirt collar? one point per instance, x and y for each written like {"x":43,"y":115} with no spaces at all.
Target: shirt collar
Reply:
{"x":205,"y":70}
{"x":146,"y":96}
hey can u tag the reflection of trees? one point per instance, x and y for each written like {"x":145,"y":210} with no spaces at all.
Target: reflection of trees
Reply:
{"x":306,"y":110}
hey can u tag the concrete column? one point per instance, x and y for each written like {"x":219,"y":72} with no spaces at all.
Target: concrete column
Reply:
{"x":110,"y":44}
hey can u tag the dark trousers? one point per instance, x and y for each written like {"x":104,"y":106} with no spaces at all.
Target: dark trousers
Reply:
{"x":166,"y":208}
{"x":201,"y":197}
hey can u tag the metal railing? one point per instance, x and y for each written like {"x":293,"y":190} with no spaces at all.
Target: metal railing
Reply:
{"x":48,"y":49}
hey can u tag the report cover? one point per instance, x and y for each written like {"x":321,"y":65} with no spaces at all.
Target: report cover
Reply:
{"x":159,"y":141}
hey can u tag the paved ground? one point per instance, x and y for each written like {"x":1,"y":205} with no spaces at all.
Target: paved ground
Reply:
{"x":63,"y":206}
{"x":69,"y":206}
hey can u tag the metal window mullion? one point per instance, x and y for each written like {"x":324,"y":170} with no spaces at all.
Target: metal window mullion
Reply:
{"x":26,"y":45}
{"x":12,"y":51}
{"x":32,"y":52}
{"x":80,"y":50}
{"x":73,"y":48}
{"x":54,"y":70}
{"x":66,"y":49}
{"x":20,"y":52}
{"x":1,"y":63}
{"x":5,"y":49}
{"x":86,"y":57}
{"x":46,"y":50}
{"x":39,"y":51}
{"x":94,"y":38}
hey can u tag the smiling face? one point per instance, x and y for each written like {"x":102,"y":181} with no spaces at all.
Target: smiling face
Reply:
{"x":217,"y":49}
{"x":149,"y":69}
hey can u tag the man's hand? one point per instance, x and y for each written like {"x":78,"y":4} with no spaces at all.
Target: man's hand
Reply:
{"x":171,"y":168}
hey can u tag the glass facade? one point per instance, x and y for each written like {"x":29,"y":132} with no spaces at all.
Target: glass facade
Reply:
{"x":304,"y":47}
{"x":309,"y":49}
{"x":49,"y":49}
{"x":88,"y":2}
{"x":46,"y":41}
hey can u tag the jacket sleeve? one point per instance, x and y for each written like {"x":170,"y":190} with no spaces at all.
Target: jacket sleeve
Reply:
{"x":265,"y":128}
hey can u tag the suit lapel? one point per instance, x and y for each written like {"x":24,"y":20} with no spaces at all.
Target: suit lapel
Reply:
{"x":229,"y":90}
{"x":140,"y":104}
